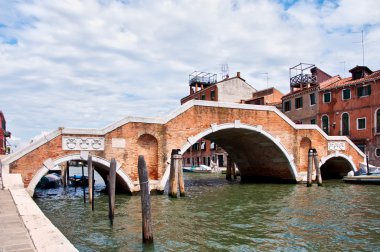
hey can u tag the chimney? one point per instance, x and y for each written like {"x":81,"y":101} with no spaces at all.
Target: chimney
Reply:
{"x":238,"y":74}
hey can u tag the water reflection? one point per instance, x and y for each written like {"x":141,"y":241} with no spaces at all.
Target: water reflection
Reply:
{"x":217,"y":215}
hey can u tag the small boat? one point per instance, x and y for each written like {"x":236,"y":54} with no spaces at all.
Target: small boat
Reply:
{"x":200,"y":169}
{"x":78,"y":180}
{"x":362,"y":177}
{"x":52,"y":180}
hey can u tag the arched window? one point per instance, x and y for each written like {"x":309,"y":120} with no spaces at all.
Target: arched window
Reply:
{"x":378,"y":121}
{"x":345,"y":124}
{"x":325,"y":124}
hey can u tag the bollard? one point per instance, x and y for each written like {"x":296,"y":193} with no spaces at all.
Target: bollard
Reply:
{"x":317,"y":168}
{"x":310,"y":168}
{"x":111,"y":190}
{"x":173,"y":183}
{"x":229,"y":168}
{"x":147,"y":230}
{"x":90,"y":182}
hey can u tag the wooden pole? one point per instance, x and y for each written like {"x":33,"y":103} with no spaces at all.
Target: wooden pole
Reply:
{"x":233,"y":170}
{"x":310,"y":168}
{"x":90,"y":181}
{"x":173,"y":183}
{"x":147,"y":230}
{"x":111,"y":190}
{"x":83,"y":184}
{"x":229,"y":168}
{"x":63,"y":175}
{"x":67,"y":171}
{"x":317,"y":168}
{"x":177,"y":160}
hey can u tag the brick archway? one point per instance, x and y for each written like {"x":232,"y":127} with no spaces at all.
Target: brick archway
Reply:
{"x":336,"y":166}
{"x":101,"y":165}
{"x":257,"y":136}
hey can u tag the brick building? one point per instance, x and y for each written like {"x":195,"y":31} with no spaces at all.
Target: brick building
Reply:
{"x":3,"y":134}
{"x":301,"y":104}
{"x":204,"y":86}
{"x":351,"y":107}
{"x":270,"y":96}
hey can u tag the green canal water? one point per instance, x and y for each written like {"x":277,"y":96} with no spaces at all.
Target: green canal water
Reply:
{"x":217,"y":215}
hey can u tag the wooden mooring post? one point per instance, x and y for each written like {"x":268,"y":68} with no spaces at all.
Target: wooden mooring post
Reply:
{"x":310,"y":167}
{"x":83,"y":184}
{"x":147,"y":230}
{"x":64,"y":175}
{"x":90,"y":182}
{"x":229,"y":168}
{"x":176,"y":175}
{"x":317,"y":168}
{"x":111,"y":190}
{"x":68,"y":172}
{"x":233,"y":170}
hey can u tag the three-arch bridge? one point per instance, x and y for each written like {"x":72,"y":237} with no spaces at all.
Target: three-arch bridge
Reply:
{"x":261,"y":140}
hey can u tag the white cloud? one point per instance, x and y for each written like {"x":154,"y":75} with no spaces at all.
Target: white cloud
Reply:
{"x":88,"y":63}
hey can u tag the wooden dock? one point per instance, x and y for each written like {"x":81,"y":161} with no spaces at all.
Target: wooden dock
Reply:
{"x":363,"y":179}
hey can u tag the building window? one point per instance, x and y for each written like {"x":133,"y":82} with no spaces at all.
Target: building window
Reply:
{"x":188,"y":161}
{"x":287,"y":106}
{"x":325,"y":124}
{"x":377,"y":152}
{"x":313,"y":121}
{"x":212,"y":146}
{"x":345,"y":124}
{"x":195,"y":146}
{"x":212,"y":95}
{"x":327,"y":97}
{"x":203,"y":97}
{"x":299,"y":103}
{"x":377,"y":121}
{"x":346,"y":94}
{"x":361,"y":147}
{"x":361,"y":124}
{"x":364,"y":91}
{"x":203,"y":146}
{"x":312,"y":99}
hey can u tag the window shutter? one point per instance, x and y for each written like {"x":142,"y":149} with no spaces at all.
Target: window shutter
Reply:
{"x":369,"y":89}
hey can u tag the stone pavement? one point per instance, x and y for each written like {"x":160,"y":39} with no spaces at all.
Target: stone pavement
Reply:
{"x":14,"y":236}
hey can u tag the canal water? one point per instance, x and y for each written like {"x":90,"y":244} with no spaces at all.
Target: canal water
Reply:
{"x":217,"y":215}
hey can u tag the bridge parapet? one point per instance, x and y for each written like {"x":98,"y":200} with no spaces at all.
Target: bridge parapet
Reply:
{"x":265,"y":142}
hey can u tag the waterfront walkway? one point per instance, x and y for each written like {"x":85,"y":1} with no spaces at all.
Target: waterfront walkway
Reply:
{"x":14,"y":236}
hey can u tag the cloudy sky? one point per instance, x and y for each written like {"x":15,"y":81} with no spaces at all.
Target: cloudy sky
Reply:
{"x":87,"y":63}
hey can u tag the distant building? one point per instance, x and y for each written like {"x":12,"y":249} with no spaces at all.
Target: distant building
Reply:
{"x":351,"y":107}
{"x":301,"y":104}
{"x":270,"y":96}
{"x":204,"y":86}
{"x":3,"y":135}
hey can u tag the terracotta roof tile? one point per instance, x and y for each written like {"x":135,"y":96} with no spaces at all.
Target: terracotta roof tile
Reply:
{"x":348,"y":81}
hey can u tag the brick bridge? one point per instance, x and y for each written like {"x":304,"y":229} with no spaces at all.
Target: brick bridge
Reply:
{"x":263,"y":142}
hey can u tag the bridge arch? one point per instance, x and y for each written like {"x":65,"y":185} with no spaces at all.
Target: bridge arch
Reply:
{"x":101,"y":165}
{"x":247,"y":137}
{"x":336,"y":165}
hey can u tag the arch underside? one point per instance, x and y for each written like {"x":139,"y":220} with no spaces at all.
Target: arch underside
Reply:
{"x":257,"y":157}
{"x":336,"y":168}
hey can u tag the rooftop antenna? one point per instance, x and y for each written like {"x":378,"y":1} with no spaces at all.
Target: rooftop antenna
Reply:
{"x":344,"y":68}
{"x":224,"y":68}
{"x":362,"y":42}
{"x":266,"y":73}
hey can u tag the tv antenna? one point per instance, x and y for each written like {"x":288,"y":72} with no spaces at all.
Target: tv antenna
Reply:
{"x":362,"y":42}
{"x":344,"y":68}
{"x":224,"y":68}
{"x":266,"y":73}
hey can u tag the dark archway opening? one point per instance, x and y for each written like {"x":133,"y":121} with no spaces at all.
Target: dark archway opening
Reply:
{"x":258,"y":158}
{"x":335,"y":168}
